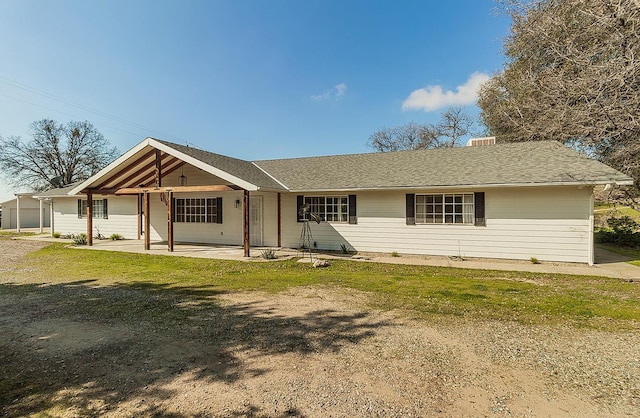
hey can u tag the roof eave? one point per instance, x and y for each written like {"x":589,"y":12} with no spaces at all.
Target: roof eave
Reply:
{"x":470,"y":186}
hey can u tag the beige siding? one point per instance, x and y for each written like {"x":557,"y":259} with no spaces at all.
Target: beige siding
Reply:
{"x":122,"y":211}
{"x":546,"y":223}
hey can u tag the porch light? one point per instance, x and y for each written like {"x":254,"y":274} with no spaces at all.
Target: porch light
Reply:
{"x":182,"y":180}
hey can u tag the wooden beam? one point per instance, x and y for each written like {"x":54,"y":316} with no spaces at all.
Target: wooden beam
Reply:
{"x":170,"y":222}
{"x":89,"y":218}
{"x":279,"y":222}
{"x":158,"y":171}
{"x":245,"y":208}
{"x":175,"y":189}
{"x":148,"y":179}
{"x":122,"y":172}
{"x":147,"y":223}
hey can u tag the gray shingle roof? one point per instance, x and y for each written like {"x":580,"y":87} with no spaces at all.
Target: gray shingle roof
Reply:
{"x":60,"y":191}
{"x":524,"y":163}
{"x":245,"y":170}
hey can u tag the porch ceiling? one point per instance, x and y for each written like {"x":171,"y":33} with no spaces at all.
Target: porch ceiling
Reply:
{"x":138,"y":170}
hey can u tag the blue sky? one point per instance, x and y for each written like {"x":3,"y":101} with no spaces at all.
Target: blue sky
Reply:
{"x":249,"y":79}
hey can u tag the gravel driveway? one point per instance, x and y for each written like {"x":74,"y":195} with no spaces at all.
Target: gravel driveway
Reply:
{"x":79,"y":350}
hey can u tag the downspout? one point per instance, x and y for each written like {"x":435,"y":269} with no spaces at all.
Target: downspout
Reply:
{"x":51,"y":216}
{"x":591,"y":230}
{"x":41,"y":216}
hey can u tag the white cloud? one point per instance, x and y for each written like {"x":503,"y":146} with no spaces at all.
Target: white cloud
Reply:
{"x":433,"y":97}
{"x":334,"y":93}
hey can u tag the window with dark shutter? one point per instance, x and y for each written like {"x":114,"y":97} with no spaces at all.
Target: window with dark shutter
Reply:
{"x":218,"y":210}
{"x":353,"y":214}
{"x":299,"y":203}
{"x":480,"y":219}
{"x":411,"y":209}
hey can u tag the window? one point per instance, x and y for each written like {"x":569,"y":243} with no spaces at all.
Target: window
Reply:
{"x":99,"y":209}
{"x":198,"y":210}
{"x":446,"y":208}
{"x":329,"y":208}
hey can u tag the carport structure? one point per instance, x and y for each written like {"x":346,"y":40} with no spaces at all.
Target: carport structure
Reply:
{"x":151,"y":168}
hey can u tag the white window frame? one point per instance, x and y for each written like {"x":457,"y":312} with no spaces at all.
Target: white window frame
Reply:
{"x":97,"y":210}
{"x":196,"y":210}
{"x":330,"y":208}
{"x":445,"y":208}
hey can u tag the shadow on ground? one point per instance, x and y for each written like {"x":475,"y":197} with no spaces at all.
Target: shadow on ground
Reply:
{"x":84,"y":348}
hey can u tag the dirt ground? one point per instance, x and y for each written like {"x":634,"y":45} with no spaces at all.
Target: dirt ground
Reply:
{"x":76,"y":349}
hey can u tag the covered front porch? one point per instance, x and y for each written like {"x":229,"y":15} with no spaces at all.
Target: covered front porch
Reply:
{"x":185,"y":194}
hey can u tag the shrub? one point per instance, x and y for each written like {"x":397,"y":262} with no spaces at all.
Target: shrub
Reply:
{"x":56,"y":235}
{"x":344,"y":249}
{"x":395,"y":254}
{"x":80,"y":239}
{"x":534,"y":260}
{"x":268,"y":254}
{"x":620,"y":231}
{"x":116,"y":237}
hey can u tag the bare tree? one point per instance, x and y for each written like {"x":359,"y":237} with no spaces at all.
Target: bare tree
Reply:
{"x":572,"y":75}
{"x":73,"y":152}
{"x":454,"y":124}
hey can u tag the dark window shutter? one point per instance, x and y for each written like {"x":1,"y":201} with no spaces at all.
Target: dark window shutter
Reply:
{"x":79,"y":208}
{"x":353,"y":215}
{"x":105,"y":214}
{"x":218,"y":210}
{"x":299,"y":203}
{"x":411,"y":209}
{"x":478,"y":199}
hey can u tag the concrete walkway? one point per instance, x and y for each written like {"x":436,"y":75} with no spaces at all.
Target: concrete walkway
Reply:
{"x":608,"y":264}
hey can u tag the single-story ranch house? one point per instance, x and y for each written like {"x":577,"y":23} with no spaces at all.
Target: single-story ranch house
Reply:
{"x":514,"y":200}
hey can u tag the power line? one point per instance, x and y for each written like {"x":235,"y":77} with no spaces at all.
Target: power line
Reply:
{"x":60,"y":99}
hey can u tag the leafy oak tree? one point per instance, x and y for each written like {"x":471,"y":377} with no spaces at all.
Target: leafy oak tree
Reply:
{"x":572,"y":75}
{"x":72,"y":152}
{"x":453,"y":125}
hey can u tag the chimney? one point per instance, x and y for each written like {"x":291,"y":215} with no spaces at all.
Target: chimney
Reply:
{"x":478,"y":142}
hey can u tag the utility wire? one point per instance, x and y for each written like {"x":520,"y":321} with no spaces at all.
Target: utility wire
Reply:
{"x":60,"y":99}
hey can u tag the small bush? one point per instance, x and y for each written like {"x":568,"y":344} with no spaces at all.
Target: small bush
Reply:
{"x":534,"y":260}
{"x":80,"y":239}
{"x":395,"y":254}
{"x":268,"y":254}
{"x":56,"y":235}
{"x":344,"y":249}
{"x":620,"y":231}
{"x":116,"y":237}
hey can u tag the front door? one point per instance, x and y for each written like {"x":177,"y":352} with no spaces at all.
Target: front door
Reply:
{"x":255,"y":219}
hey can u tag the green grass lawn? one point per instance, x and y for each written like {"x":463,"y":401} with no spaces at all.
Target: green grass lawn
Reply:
{"x":419,"y":290}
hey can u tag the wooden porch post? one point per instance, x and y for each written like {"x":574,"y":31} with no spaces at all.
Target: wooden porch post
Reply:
{"x":147,"y":222}
{"x":170,"y":221}
{"x":279,"y":223}
{"x":89,"y":218}
{"x":245,"y":207}
{"x":139,"y":215}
